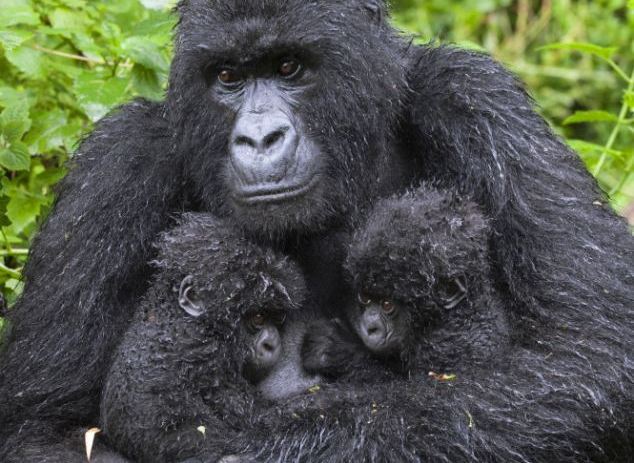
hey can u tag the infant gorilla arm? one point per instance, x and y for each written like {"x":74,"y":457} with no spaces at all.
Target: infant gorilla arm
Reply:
{"x":220,"y":318}
{"x":425,"y":298}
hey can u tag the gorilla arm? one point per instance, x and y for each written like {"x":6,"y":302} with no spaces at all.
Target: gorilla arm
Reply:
{"x":477,"y":129}
{"x":86,"y":267}
{"x":152,"y":408}
{"x":539,"y":404}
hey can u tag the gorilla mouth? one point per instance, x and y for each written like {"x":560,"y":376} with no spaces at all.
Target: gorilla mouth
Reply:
{"x":257,"y":194}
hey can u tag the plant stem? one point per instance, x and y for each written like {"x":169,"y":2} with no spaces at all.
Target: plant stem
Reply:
{"x":617,"y":128}
{"x":9,"y":271}
{"x":13,"y":252}
{"x":68,"y":55}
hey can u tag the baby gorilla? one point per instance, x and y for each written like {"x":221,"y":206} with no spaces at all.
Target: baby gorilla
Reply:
{"x":424,"y":293}
{"x":219,"y":322}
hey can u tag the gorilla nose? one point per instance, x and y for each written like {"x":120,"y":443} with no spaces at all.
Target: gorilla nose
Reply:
{"x":261,"y":142}
{"x":268,"y":347}
{"x":374,"y":331}
{"x":263,"y":146}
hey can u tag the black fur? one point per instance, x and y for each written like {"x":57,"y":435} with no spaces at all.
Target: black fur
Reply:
{"x":426,"y":252}
{"x":385,"y":114}
{"x":174,"y":372}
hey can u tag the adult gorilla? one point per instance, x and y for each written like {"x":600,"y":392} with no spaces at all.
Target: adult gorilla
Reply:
{"x":287,"y":117}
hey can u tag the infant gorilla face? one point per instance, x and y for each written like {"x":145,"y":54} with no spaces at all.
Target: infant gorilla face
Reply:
{"x":381,"y":323}
{"x":385,"y":324}
{"x":258,"y":313}
{"x":273,"y":362}
{"x":264,"y":342}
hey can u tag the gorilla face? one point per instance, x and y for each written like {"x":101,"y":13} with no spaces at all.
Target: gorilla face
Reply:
{"x":273,"y":362}
{"x":281,"y":115}
{"x":382,"y":324}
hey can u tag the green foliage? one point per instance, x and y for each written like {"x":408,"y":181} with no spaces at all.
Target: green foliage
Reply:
{"x":577,"y":57}
{"x":65,"y":63}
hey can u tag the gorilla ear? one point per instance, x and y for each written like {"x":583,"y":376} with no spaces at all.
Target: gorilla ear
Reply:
{"x":377,"y":9}
{"x":192,"y":307}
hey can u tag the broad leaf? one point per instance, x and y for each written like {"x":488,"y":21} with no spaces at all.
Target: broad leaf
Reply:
{"x":591,"y":116}
{"x":17,"y":12}
{"x":11,"y":39}
{"x":145,"y":52}
{"x":603,"y":52}
{"x":15,"y":158}
{"x":14,"y":121}
{"x":97,"y":96}
{"x":27,"y":60}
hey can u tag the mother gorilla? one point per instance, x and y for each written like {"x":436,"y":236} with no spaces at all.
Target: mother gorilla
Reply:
{"x":288,"y":117}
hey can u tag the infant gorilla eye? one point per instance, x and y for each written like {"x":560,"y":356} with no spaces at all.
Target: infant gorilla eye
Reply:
{"x":364,"y":299}
{"x":256,"y":321}
{"x":289,"y":68}
{"x":229,"y":77}
{"x":388,"y":307}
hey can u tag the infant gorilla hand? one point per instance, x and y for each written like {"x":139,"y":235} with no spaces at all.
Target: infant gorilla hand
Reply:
{"x":329,"y":347}
{"x":331,"y":350}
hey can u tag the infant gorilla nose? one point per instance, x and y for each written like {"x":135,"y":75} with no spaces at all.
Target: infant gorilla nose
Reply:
{"x":286,"y":375}
{"x":268,"y":347}
{"x":373,"y":330}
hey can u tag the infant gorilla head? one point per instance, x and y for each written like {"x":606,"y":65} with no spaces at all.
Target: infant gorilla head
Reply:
{"x":252,"y":292}
{"x":222,"y":316}
{"x":424,"y":294}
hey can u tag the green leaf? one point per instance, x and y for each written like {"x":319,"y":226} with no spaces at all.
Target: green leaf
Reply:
{"x":602,"y":52}
{"x":588,"y":149}
{"x":145,"y":52}
{"x":157,"y":26}
{"x":97,"y":96}
{"x":50,"y":177}
{"x":17,"y":12}
{"x":590,"y":116}
{"x":15,"y":122}
{"x":147,"y":83}
{"x":46,"y":132}
{"x":66,"y":20}
{"x":15,"y":158}
{"x":27,"y":60}
{"x":158,"y":4}
{"x":10,"y":97}
{"x":23,"y":210}
{"x":11,"y":39}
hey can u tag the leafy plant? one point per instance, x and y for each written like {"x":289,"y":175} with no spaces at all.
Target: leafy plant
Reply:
{"x":612,"y":162}
{"x":63,"y":65}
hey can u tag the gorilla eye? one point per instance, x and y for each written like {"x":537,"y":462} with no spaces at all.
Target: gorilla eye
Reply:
{"x":364,"y":299}
{"x":256,"y":322}
{"x":289,"y":68}
{"x":228,"y":77}
{"x":388,"y":307}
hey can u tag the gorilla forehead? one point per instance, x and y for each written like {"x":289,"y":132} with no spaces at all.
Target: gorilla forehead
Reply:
{"x":248,"y":26}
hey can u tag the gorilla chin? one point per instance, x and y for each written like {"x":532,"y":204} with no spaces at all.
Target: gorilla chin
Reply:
{"x":281,"y":210}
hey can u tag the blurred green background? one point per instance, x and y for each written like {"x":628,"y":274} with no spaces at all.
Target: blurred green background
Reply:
{"x":65,"y":63}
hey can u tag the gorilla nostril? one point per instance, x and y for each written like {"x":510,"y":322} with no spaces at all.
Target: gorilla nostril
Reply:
{"x":268,"y":347}
{"x":272,"y":138}
{"x":373,"y":330}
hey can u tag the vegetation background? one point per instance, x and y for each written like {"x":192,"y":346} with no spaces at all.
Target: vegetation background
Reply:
{"x":65,"y":63}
